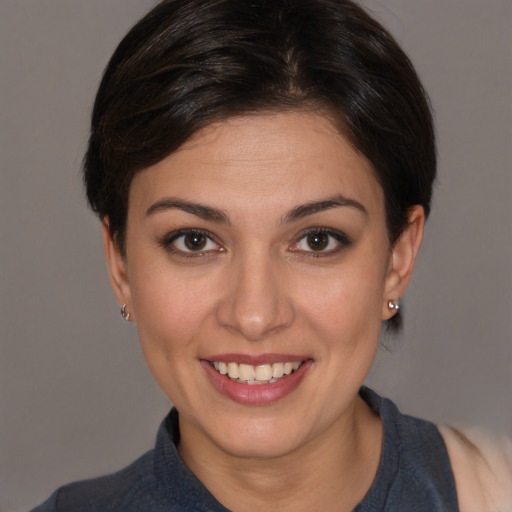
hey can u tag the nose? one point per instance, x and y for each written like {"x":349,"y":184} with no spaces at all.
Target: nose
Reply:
{"x":255,"y":303}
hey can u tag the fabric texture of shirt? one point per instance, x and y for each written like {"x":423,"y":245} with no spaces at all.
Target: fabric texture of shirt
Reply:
{"x":414,"y":475}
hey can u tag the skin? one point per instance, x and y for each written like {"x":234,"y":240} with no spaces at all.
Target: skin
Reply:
{"x":260,"y":286}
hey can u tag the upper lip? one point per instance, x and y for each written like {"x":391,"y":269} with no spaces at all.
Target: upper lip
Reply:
{"x":255,"y":360}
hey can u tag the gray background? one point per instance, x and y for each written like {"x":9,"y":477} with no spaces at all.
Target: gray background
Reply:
{"x":76,"y":399}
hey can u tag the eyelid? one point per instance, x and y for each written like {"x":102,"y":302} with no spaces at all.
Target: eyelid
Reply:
{"x":341,"y":238}
{"x":168,"y":240}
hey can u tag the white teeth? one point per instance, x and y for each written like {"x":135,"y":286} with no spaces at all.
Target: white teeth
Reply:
{"x":233,"y":371}
{"x":253,"y":382}
{"x":246,"y":372}
{"x":277,"y":370}
{"x":261,"y":374}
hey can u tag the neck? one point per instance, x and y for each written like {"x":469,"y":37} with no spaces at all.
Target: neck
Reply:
{"x":331,"y":472}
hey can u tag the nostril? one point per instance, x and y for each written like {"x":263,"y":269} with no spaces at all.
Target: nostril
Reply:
{"x":252,"y":325}
{"x":254,"y":303}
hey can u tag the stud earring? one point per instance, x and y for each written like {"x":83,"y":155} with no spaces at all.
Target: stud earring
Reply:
{"x":124,"y":314}
{"x":393,"y":304}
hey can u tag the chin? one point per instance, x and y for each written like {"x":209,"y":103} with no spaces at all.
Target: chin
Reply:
{"x":270,"y":446}
{"x":258,"y":438}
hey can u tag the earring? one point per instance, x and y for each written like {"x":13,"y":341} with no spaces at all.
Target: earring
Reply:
{"x":393,"y":304}
{"x":124,"y":314}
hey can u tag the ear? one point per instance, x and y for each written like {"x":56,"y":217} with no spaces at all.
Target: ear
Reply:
{"x":116,"y":264}
{"x":403,"y":257}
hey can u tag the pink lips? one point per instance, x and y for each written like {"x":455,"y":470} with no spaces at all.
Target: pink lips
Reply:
{"x":260,"y":394}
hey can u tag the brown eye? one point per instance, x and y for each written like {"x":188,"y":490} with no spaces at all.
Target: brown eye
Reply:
{"x":321,"y":242}
{"x":195,"y":241}
{"x":317,"y":241}
{"x":191,"y":242}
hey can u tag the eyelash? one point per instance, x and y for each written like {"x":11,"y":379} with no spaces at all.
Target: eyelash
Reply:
{"x":169,"y":243}
{"x":340,"y":239}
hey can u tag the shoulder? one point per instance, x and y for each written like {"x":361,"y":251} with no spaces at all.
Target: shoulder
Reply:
{"x":158,"y":481}
{"x":482,"y":467}
{"x":415,"y":471}
{"x":123,"y":490}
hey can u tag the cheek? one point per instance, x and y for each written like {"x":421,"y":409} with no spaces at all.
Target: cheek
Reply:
{"x":351,"y":294}
{"x":171,"y":309}
{"x":344,"y":308}
{"x":172,"y":317}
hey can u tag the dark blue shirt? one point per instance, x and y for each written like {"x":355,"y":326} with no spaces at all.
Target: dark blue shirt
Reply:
{"x":414,"y":475}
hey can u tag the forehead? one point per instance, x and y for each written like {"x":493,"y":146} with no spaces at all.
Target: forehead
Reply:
{"x":262,"y":161}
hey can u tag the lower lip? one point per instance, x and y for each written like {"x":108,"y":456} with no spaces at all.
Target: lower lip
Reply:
{"x":257,"y":394}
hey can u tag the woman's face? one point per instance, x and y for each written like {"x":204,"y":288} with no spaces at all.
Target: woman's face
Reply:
{"x":259,"y":248}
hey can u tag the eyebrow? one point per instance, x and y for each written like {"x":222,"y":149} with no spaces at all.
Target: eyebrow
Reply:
{"x":204,"y":212}
{"x":210,"y":213}
{"x":313,"y":207}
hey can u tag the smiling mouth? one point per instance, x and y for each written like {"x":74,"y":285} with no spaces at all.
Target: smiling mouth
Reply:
{"x":254,"y":375}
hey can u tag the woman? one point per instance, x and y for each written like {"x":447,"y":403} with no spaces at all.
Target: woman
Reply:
{"x":263,"y":172}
